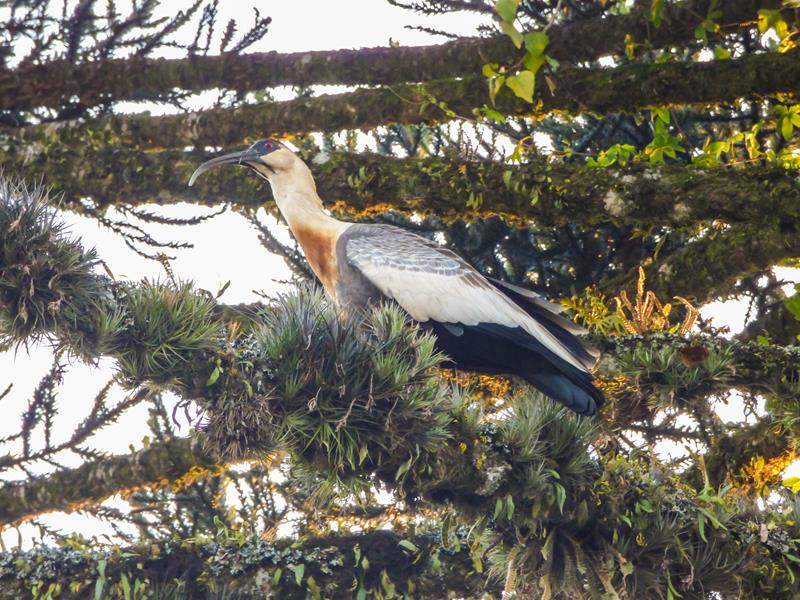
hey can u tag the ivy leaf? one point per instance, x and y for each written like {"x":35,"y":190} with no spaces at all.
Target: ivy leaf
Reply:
{"x":522,"y":84}
{"x":507,"y":9}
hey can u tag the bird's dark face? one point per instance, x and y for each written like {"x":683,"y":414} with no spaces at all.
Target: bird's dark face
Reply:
{"x":265,"y":157}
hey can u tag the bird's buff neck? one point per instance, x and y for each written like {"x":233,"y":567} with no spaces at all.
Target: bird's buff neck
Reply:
{"x":295,"y":194}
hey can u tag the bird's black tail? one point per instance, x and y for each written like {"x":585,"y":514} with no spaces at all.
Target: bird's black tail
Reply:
{"x":580,"y":396}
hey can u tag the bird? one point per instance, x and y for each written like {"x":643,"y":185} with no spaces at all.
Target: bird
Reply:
{"x":481,"y":324}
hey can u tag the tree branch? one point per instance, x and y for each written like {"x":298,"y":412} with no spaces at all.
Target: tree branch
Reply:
{"x":709,"y":267}
{"x":577,"y":90}
{"x":639,"y":194}
{"x":53,"y":83}
{"x":266,"y":567}
{"x":70,"y":489}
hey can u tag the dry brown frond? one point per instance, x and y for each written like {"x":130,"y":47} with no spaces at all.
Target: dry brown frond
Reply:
{"x":648,"y":313}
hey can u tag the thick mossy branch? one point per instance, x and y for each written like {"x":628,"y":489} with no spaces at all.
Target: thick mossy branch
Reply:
{"x":253,"y":569}
{"x":576,"y":90}
{"x":639,"y":194}
{"x":709,"y":267}
{"x":54,"y":83}
{"x":158,"y":465}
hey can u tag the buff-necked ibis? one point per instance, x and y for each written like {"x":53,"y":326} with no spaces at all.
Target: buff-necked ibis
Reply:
{"x":481,"y":324}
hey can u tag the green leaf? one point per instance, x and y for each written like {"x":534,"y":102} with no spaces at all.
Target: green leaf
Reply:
{"x":511,"y":31}
{"x":661,"y":114}
{"x":212,"y":379}
{"x":561,"y":496}
{"x":536,"y":42}
{"x":408,"y":545}
{"x":276,"y":577}
{"x":701,"y":527}
{"x":656,"y":12}
{"x":507,"y":9}
{"x":299,"y":571}
{"x":793,"y":305}
{"x":498,"y":508}
{"x":533,"y":63}
{"x":522,"y":85}
{"x":786,"y":128}
{"x":509,"y":507}
{"x":793,"y":483}
{"x":313,"y":588}
{"x":361,"y":594}
{"x":477,"y":563}
{"x":671,"y":589}
{"x":721,"y":53}
{"x":126,"y":586}
{"x":402,"y":469}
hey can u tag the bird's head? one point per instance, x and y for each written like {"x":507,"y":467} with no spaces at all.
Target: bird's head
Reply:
{"x":269,"y":158}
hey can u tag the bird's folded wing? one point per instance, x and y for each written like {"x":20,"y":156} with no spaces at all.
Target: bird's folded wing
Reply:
{"x":434,"y":284}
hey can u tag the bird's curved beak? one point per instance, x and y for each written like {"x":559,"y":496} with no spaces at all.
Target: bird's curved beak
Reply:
{"x":234,"y":158}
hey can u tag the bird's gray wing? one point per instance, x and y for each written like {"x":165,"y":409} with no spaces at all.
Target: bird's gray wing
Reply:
{"x":434,"y":284}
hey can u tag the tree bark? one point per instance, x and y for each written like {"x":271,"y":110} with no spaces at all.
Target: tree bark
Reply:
{"x":576,"y":90}
{"x":54,"y":83}
{"x":91,"y":483}
{"x":639,"y":194}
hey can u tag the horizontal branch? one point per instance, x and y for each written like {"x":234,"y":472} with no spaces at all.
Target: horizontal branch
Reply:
{"x":91,"y":483}
{"x":709,"y":268}
{"x":270,"y":567}
{"x":640,"y":195}
{"x":600,"y":90}
{"x":54,"y":83}
{"x":769,"y":370}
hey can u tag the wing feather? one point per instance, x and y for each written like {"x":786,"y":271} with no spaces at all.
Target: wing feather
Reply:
{"x":434,"y":284}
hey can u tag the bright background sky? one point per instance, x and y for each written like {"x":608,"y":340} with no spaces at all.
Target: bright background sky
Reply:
{"x":225,"y":248}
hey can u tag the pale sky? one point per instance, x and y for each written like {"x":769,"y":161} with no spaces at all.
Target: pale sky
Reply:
{"x":225,"y":248}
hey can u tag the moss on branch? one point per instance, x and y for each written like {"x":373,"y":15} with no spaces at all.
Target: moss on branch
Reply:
{"x":638,"y":195}
{"x":69,"y":489}
{"x":709,"y":267}
{"x":600,"y":90}
{"x":53,"y":83}
{"x":254,"y":568}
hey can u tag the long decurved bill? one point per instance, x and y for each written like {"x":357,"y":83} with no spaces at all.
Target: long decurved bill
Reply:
{"x":234,"y":158}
